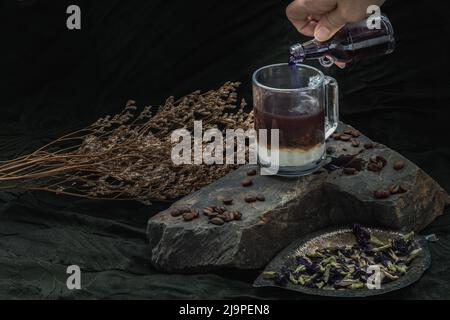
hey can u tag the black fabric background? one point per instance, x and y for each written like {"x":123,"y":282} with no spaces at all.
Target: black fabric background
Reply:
{"x":54,"y":80}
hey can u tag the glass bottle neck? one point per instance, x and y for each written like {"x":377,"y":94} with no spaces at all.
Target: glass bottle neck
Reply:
{"x":309,"y":50}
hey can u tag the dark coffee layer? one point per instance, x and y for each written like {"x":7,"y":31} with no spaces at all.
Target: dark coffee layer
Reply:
{"x":297,"y":128}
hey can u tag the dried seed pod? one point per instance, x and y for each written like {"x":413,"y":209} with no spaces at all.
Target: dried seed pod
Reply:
{"x":399,"y":164}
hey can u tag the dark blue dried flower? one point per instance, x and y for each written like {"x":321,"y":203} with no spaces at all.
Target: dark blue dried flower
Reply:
{"x":401,"y":245}
{"x":361,"y":235}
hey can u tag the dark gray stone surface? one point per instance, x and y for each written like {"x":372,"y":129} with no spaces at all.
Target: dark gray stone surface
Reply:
{"x":293,"y":207}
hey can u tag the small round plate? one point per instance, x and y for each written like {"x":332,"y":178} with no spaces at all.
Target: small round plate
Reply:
{"x":342,"y":237}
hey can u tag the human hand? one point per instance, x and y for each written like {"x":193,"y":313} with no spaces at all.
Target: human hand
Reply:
{"x":323,"y":18}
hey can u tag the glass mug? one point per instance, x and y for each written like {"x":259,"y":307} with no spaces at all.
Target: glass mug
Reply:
{"x":302,"y":103}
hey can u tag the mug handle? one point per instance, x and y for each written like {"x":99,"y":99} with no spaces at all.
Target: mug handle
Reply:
{"x":331,"y":106}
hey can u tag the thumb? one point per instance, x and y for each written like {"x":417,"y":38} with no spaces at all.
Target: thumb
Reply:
{"x":330,"y":23}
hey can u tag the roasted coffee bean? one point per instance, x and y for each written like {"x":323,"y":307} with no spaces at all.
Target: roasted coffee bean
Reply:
{"x":355,"y":133}
{"x":228,"y":216}
{"x":399,"y":165}
{"x":207,"y":211}
{"x":355,"y":143}
{"x":394,"y":189}
{"x":227,"y":201}
{"x":189,"y":216}
{"x":368,"y":145}
{"x":251,"y":172}
{"x":348,"y":131}
{"x":250,"y":198}
{"x":330,"y":150}
{"x":375,"y":167}
{"x":237,"y":215}
{"x":221,"y":209}
{"x":217,"y":221}
{"x":175,"y":213}
{"x":246,"y":182}
{"x":212,"y":214}
{"x":195,"y":212}
{"x":260,"y":197}
{"x":402,"y":189}
{"x":381,"y":160}
{"x":336,"y":136}
{"x":349,"y":171}
{"x":381,"y":194}
{"x":345,"y":137}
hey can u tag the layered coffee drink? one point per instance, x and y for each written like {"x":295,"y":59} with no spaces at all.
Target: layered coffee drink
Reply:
{"x":300,"y":120}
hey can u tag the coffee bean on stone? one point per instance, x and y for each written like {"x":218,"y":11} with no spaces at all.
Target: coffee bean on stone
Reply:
{"x":189,"y":216}
{"x":368,"y":145}
{"x":250,"y":198}
{"x":246,"y":182}
{"x":336,"y":136}
{"x":175,"y":213}
{"x":381,"y":160}
{"x":394,"y":189}
{"x":227,"y":201}
{"x":381,"y":194}
{"x":355,"y":133}
{"x":228,"y":216}
{"x":399,"y":165}
{"x":251,"y":172}
{"x":349,"y":171}
{"x":345,"y":137}
{"x":402,"y":189}
{"x":221,"y":209}
{"x":260,"y":197}
{"x":348,"y":131}
{"x":355,"y":143}
{"x":207,"y":211}
{"x":217,"y":221}
{"x":374,"y":167}
{"x":237,"y":215}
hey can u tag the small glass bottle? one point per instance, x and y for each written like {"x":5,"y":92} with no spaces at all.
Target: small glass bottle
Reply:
{"x":353,"y":41}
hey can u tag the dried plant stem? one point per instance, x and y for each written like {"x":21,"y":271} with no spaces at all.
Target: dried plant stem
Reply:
{"x":127,"y":156}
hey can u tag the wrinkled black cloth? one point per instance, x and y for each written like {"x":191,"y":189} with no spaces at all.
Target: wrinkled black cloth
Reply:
{"x":55,"y":80}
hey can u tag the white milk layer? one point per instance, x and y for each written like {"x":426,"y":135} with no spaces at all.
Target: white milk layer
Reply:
{"x":292,"y":157}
